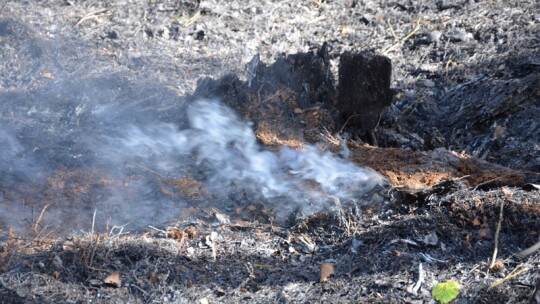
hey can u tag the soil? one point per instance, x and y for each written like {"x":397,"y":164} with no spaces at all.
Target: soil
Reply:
{"x":458,"y":147}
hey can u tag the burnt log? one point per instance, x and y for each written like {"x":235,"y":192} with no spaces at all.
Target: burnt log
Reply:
{"x":290,"y":99}
{"x":363,"y":92}
{"x":307,"y":74}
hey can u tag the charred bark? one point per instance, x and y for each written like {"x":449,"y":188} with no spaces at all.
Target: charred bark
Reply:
{"x":363,"y":91}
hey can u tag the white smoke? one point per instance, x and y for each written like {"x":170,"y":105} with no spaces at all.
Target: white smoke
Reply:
{"x":16,"y":163}
{"x":224,"y":148}
{"x":94,"y":138}
{"x":216,"y":148}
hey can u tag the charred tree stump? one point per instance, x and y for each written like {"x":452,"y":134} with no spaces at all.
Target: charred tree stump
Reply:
{"x":363,"y":92}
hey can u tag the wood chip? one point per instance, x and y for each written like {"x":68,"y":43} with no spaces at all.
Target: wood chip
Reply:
{"x":498,"y":265}
{"x":191,"y":232}
{"x":154,"y":279}
{"x":507,"y":191}
{"x":113,"y":280}
{"x":56,"y":275}
{"x":176,"y":234}
{"x":484,"y":233}
{"x":327,"y":270}
{"x":431,"y":239}
{"x":48,"y":75}
{"x":188,"y":233}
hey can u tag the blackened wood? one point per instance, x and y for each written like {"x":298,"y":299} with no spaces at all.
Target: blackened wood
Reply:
{"x":363,"y":91}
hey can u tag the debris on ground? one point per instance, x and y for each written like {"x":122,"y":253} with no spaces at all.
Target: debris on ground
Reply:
{"x":436,"y":104}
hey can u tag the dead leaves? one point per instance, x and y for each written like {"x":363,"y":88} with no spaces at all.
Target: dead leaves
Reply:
{"x":181,"y":235}
{"x":497,"y":266}
{"x":113,"y":280}
{"x":327,"y":270}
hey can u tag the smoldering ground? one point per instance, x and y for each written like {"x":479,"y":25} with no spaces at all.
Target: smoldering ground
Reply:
{"x":94,"y":139}
{"x":114,"y":168}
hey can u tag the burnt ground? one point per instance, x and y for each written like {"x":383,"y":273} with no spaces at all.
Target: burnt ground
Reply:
{"x":459,"y":140}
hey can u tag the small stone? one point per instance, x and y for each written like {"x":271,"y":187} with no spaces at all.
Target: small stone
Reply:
{"x":367,"y":18}
{"x":199,"y":35}
{"x":214,"y":236}
{"x":355,"y":245}
{"x":410,"y":93}
{"x":94,"y":282}
{"x":114,"y":279}
{"x":327,"y":270}
{"x":434,"y":36}
{"x":4,"y":237}
{"x":203,"y":301}
{"x":112,"y":35}
{"x":57,"y":262}
{"x":222,"y":218}
{"x":461,"y":35}
{"x":426,"y":67}
{"x":428,"y":83}
{"x":431,"y":239}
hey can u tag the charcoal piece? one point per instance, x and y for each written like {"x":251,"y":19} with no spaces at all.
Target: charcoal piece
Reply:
{"x":308,"y":74}
{"x":363,"y":91}
{"x":434,"y":139}
{"x":291,"y":98}
{"x":228,"y":89}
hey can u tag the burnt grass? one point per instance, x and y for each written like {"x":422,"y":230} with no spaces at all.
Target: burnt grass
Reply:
{"x":458,"y":141}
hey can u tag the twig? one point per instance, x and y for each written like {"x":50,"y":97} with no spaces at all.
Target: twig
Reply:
{"x":496,"y":178}
{"x":347,"y":121}
{"x":497,"y":232}
{"x":406,"y":241}
{"x":511,"y":275}
{"x":414,"y":289}
{"x":536,"y":293}
{"x":412,"y":106}
{"x":273,"y":96}
{"x":40,"y":217}
{"x":214,"y":251}
{"x":402,"y":40}
{"x":192,"y":20}
{"x":250,"y":276}
{"x":157,"y":229}
{"x":120,"y":229}
{"x":140,"y":289}
{"x":91,"y":15}
{"x":317,"y":2}
{"x":147,"y":169}
{"x":329,"y":137}
{"x":431,"y":259}
{"x":447,"y":66}
{"x":93,"y":221}
{"x":392,"y":30}
{"x":529,"y":250}
{"x":90,"y":260}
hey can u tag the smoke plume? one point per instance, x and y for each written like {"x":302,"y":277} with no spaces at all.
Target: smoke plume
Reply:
{"x":91,"y":144}
{"x":224,"y":153}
